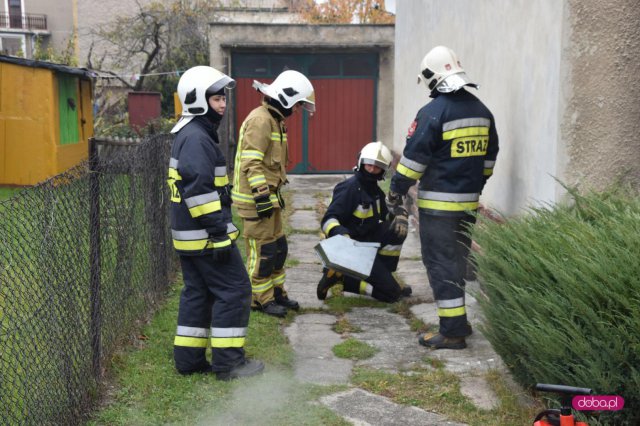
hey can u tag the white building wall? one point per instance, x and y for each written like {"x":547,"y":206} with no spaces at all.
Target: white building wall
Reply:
{"x":513,"y":49}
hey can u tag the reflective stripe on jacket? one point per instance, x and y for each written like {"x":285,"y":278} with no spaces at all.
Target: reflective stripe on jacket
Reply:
{"x":451,"y":149}
{"x":200,"y":200}
{"x":261,"y":158}
{"x":355,"y":211}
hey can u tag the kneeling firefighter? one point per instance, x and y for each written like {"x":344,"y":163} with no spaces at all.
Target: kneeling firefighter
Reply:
{"x":215,"y":300}
{"x":358,"y":211}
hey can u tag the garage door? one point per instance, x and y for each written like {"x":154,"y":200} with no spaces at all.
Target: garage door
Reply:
{"x":344,"y":121}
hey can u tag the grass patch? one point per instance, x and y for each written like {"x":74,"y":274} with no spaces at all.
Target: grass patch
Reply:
{"x":439,"y":391}
{"x":343,"y":326}
{"x":148,"y":390}
{"x":341,"y":304}
{"x":290,"y":263}
{"x":354,"y":349}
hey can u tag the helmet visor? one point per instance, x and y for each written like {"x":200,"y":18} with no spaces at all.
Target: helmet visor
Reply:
{"x":455,"y":82}
{"x":225,"y":82}
{"x":308,"y":106}
{"x":384,"y":166}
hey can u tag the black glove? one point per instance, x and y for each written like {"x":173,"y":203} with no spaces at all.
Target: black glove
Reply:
{"x":394,"y":200}
{"x":264,"y":206}
{"x":222,"y":247}
{"x":400,"y":223}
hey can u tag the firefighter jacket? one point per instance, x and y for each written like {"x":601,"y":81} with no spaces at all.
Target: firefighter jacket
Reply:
{"x":201,"y":205}
{"x":357,"y":207}
{"x":451,"y":149}
{"x":261,"y":158}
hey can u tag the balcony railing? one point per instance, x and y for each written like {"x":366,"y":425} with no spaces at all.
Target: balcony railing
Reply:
{"x":27,"y":21}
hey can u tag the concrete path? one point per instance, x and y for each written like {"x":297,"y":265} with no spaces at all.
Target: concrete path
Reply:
{"x":313,"y":338}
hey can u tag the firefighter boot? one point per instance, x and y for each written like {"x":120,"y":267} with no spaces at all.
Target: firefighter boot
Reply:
{"x":406,"y":291}
{"x":438,"y":341}
{"x":271,"y":308}
{"x":284,"y":300}
{"x":328,"y":280}
{"x":246,"y":368}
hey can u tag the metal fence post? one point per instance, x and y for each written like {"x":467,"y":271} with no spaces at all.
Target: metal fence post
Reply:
{"x":94,"y":257}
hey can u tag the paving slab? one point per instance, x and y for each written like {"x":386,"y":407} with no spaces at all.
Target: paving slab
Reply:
{"x":304,"y":200}
{"x":305,"y":220}
{"x":311,"y":184}
{"x":412,"y":272}
{"x":301,"y":248}
{"x":479,"y":391}
{"x":364,"y":408}
{"x":312,"y":339}
{"x":411,"y":245}
{"x":388,"y":332}
{"x":479,"y":356}
{"x":301,"y":283}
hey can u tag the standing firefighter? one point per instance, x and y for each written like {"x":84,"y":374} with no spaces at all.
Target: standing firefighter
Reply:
{"x":215,"y":300}
{"x":358,"y":211}
{"x":260,"y":170}
{"x":451,"y":149}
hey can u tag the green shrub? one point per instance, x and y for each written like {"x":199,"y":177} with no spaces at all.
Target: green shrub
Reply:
{"x":562,"y":289}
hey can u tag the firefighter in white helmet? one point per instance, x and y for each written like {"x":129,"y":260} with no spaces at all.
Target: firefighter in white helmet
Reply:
{"x":451,"y":150}
{"x":358,"y":210}
{"x":260,"y":171}
{"x":214,"y":303}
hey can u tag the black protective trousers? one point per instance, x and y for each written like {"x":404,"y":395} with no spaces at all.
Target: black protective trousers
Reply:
{"x":215,"y":301}
{"x":445,"y":243}
{"x":384,"y":286}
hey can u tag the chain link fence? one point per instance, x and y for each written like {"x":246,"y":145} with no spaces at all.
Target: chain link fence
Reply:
{"x":83,"y":256}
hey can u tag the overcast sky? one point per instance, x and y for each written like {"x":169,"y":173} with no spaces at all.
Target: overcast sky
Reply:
{"x":390,"y":5}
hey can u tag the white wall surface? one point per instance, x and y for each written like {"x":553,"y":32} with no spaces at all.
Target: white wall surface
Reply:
{"x":513,"y":49}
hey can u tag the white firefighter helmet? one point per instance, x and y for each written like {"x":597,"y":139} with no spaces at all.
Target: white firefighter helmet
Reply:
{"x":375,"y":153}
{"x":289,"y":88}
{"x":194,"y":88}
{"x":441,"y":70}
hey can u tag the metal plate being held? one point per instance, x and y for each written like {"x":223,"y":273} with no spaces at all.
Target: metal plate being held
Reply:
{"x":348,"y":256}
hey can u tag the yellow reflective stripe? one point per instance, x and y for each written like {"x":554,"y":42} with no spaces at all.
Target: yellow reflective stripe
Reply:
{"x":275,"y":136}
{"x":190,"y":342}
{"x":192,"y":245}
{"x":211,"y":207}
{"x":279,"y":279}
{"x":234,"y":235}
{"x":389,"y":252}
{"x":330,"y":226}
{"x":405,"y":171}
{"x":487,"y":172}
{"x":246,"y":198}
{"x":219,"y":244}
{"x":464,"y":132}
{"x":253,"y":256}
{"x":173,"y":174}
{"x":221,"y":180}
{"x":257,"y":180}
{"x":262,"y":287}
{"x":451,"y":312}
{"x":363,"y":214}
{"x":227,"y":342}
{"x":242,"y":198}
{"x":252,"y":153}
{"x":447,"y":206}
{"x":363,"y":287}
